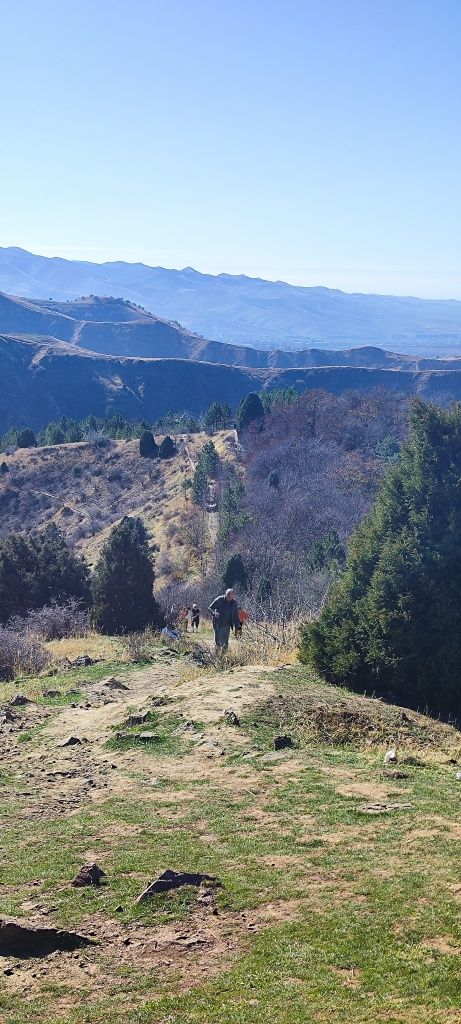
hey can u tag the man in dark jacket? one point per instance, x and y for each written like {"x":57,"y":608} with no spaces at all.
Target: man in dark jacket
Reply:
{"x":224,"y":612}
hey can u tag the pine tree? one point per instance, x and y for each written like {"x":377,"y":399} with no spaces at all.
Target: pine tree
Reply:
{"x":235,"y":573}
{"x":26,"y":438}
{"x":392,"y":623}
{"x":167,"y":448}
{"x":148,"y":447}
{"x":123,"y":579}
{"x":250,"y":410}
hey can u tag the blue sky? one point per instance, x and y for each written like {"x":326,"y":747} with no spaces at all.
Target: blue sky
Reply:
{"x":317,"y":142}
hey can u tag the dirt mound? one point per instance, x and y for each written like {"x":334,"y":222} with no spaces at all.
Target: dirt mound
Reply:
{"x":338,"y":717}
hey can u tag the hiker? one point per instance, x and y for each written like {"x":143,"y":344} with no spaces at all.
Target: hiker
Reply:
{"x":224,"y":614}
{"x":242,"y":616}
{"x":195,"y":620}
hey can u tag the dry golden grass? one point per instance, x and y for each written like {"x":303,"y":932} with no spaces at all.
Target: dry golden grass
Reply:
{"x":96,"y":646}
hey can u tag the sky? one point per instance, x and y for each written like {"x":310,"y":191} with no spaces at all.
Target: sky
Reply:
{"x":312,"y":142}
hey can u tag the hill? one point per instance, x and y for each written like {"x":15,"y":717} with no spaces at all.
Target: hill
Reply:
{"x":43,"y":379}
{"x":329,"y":878}
{"x":238,"y":308}
{"x":86,"y":488}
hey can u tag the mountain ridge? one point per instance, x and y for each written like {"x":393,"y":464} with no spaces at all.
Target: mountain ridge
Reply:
{"x":116,"y":327}
{"x":43,"y":379}
{"x":237,"y":308}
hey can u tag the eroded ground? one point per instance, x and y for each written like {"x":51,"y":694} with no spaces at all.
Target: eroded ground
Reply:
{"x":341,"y":891}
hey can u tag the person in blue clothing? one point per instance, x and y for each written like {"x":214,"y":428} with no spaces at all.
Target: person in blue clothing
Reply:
{"x":224,"y":612}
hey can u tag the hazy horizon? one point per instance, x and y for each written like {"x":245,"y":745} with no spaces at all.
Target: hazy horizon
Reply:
{"x":63,"y":253}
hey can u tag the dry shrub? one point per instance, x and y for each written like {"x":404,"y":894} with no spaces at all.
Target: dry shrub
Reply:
{"x":141,"y":646}
{"x":21,"y":655}
{"x":53,"y":621}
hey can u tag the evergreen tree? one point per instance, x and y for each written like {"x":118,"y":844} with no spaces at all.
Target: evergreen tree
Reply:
{"x":392,"y":623}
{"x":26,"y":438}
{"x":38,"y":570}
{"x":209,"y":458}
{"x":61,"y":573}
{"x":199,"y":484}
{"x":167,"y":448}
{"x":250,"y":410}
{"x":327,"y":551}
{"x":148,"y":447}
{"x":232,"y":515}
{"x":235,"y":573}
{"x":217,"y":416}
{"x":4,"y":468}
{"x":273,"y":479}
{"x":123,"y":601}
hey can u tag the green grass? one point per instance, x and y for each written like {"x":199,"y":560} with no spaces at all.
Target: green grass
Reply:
{"x":364,"y":896}
{"x":167,"y":740}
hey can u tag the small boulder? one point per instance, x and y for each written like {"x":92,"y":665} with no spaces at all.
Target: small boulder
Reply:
{"x":174,"y":880}
{"x":115,"y":684}
{"x":390,"y":756}
{"x":282,"y":742}
{"x":89,"y":874}
{"x":19,"y":701}
{"x":71,"y":741}
{"x":231,"y":718}
{"x":83,"y":661}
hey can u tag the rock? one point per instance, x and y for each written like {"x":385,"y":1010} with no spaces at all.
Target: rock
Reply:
{"x":231,"y":718}
{"x":18,"y":938}
{"x":83,"y":661}
{"x":7,"y":716}
{"x":71,"y":741}
{"x":136,"y":737}
{"x":281,"y":742}
{"x":89,"y":874}
{"x":458,"y":776}
{"x":51,"y":693}
{"x":114,"y":684}
{"x":19,"y":701}
{"x":393,"y":773}
{"x":174,"y":880}
{"x":8,"y":971}
{"x":390,"y":756}
{"x":138,"y":719}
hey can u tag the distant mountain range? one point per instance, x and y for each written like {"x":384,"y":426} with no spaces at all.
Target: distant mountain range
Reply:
{"x":239,"y":309}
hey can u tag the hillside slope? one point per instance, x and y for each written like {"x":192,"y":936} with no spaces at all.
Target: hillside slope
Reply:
{"x":117,"y":327}
{"x":43,"y":380}
{"x":85,"y":488}
{"x":238,"y":308}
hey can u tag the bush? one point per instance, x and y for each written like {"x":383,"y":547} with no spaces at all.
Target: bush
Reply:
{"x":26,"y":439}
{"x":38,"y":570}
{"x":21,"y":655}
{"x":249,"y":411}
{"x":235,"y":573}
{"x":53,"y":621}
{"x":148,"y":447}
{"x":393,"y":621}
{"x":167,"y":448}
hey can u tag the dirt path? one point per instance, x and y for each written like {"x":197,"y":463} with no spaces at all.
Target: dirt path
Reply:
{"x":59,"y":778}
